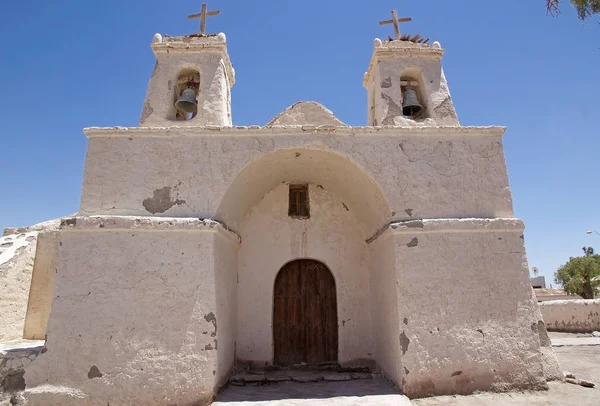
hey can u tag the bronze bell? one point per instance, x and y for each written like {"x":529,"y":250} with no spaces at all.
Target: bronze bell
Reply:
{"x":187,"y":103}
{"x":410,"y":104}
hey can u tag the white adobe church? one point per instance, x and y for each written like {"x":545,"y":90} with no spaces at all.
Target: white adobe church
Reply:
{"x":200,"y":245}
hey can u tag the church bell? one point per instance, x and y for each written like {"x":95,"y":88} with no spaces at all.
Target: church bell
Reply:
{"x":410,"y":104}
{"x":187,"y":103}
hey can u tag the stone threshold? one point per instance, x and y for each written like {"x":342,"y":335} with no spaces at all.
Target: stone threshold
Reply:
{"x":301,"y":375}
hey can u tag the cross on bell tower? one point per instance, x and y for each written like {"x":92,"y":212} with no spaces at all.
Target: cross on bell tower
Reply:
{"x":202,"y":16}
{"x":396,"y":22}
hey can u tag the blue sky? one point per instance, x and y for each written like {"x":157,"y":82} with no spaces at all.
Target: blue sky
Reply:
{"x":71,"y":64}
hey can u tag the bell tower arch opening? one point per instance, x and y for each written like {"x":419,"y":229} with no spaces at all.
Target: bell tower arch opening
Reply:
{"x":188,"y":87}
{"x":414,"y":99}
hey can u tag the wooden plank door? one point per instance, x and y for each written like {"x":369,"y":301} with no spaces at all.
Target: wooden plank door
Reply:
{"x":305,"y":314}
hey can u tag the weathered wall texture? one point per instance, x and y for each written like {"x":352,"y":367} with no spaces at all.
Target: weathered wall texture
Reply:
{"x":270,"y":239}
{"x":394,"y":61}
{"x":176,"y":173}
{"x":14,"y":358}
{"x":226,"y":290}
{"x":41,"y":291}
{"x":571,"y":315}
{"x":17,"y":252}
{"x":135,"y":316}
{"x":207,"y":57}
{"x":384,"y":306}
{"x":306,"y":113}
{"x":469,"y":317}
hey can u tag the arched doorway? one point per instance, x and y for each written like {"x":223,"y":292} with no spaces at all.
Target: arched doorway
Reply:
{"x":305,"y":314}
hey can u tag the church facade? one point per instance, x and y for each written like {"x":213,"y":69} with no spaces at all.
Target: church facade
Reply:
{"x":200,"y":245}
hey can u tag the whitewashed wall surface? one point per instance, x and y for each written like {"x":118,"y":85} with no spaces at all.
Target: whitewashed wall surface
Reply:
{"x":571,"y":315}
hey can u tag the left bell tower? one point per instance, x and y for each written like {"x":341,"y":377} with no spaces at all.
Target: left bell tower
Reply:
{"x":191,"y":82}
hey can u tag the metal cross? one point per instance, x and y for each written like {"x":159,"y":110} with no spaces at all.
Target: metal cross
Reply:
{"x":396,"y":21}
{"x":202,"y":16}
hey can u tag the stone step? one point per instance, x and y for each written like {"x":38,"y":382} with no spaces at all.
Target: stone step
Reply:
{"x":302,"y":376}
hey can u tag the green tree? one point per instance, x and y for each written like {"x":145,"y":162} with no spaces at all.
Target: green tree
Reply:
{"x":581,"y":275}
{"x":585,"y":8}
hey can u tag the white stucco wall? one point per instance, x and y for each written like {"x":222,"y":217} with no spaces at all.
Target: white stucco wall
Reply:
{"x":270,"y":239}
{"x":135,"y":317}
{"x":427,"y":173}
{"x":17,"y":253}
{"x":384,"y":306}
{"x":226,"y":269}
{"x":572,"y":315}
{"x":469,"y":317}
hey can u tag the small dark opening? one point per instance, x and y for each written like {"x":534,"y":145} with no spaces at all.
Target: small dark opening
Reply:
{"x":299,"y":201}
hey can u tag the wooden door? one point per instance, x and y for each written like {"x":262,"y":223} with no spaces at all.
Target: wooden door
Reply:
{"x":305,"y":314}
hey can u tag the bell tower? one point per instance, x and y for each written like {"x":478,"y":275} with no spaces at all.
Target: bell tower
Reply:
{"x":191,"y":82}
{"x":405,"y":82}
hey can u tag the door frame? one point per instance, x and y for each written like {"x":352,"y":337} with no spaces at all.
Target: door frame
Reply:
{"x":335,"y":285}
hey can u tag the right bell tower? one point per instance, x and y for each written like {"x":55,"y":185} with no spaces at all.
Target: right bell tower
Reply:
{"x":405,"y":82}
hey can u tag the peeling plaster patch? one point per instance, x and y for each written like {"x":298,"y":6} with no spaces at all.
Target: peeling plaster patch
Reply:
{"x":386,"y":83}
{"x":393,"y":110}
{"x":94,"y":372}
{"x":210,"y":317}
{"x":13,"y":382}
{"x":413,"y":243}
{"x":146,"y":112}
{"x":456,"y":373}
{"x":68,"y":222}
{"x":161,"y":201}
{"x":404,"y":342}
{"x":409,"y":212}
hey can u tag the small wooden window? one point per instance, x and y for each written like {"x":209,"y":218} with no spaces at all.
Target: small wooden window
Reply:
{"x":299,"y":201}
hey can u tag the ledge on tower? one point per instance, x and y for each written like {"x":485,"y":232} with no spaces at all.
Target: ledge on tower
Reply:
{"x":306,"y":113}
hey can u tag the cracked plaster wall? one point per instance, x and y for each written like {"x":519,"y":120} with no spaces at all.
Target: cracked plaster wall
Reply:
{"x":433,"y":176}
{"x":135,"y":319}
{"x":469,"y":319}
{"x":271,"y":239}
